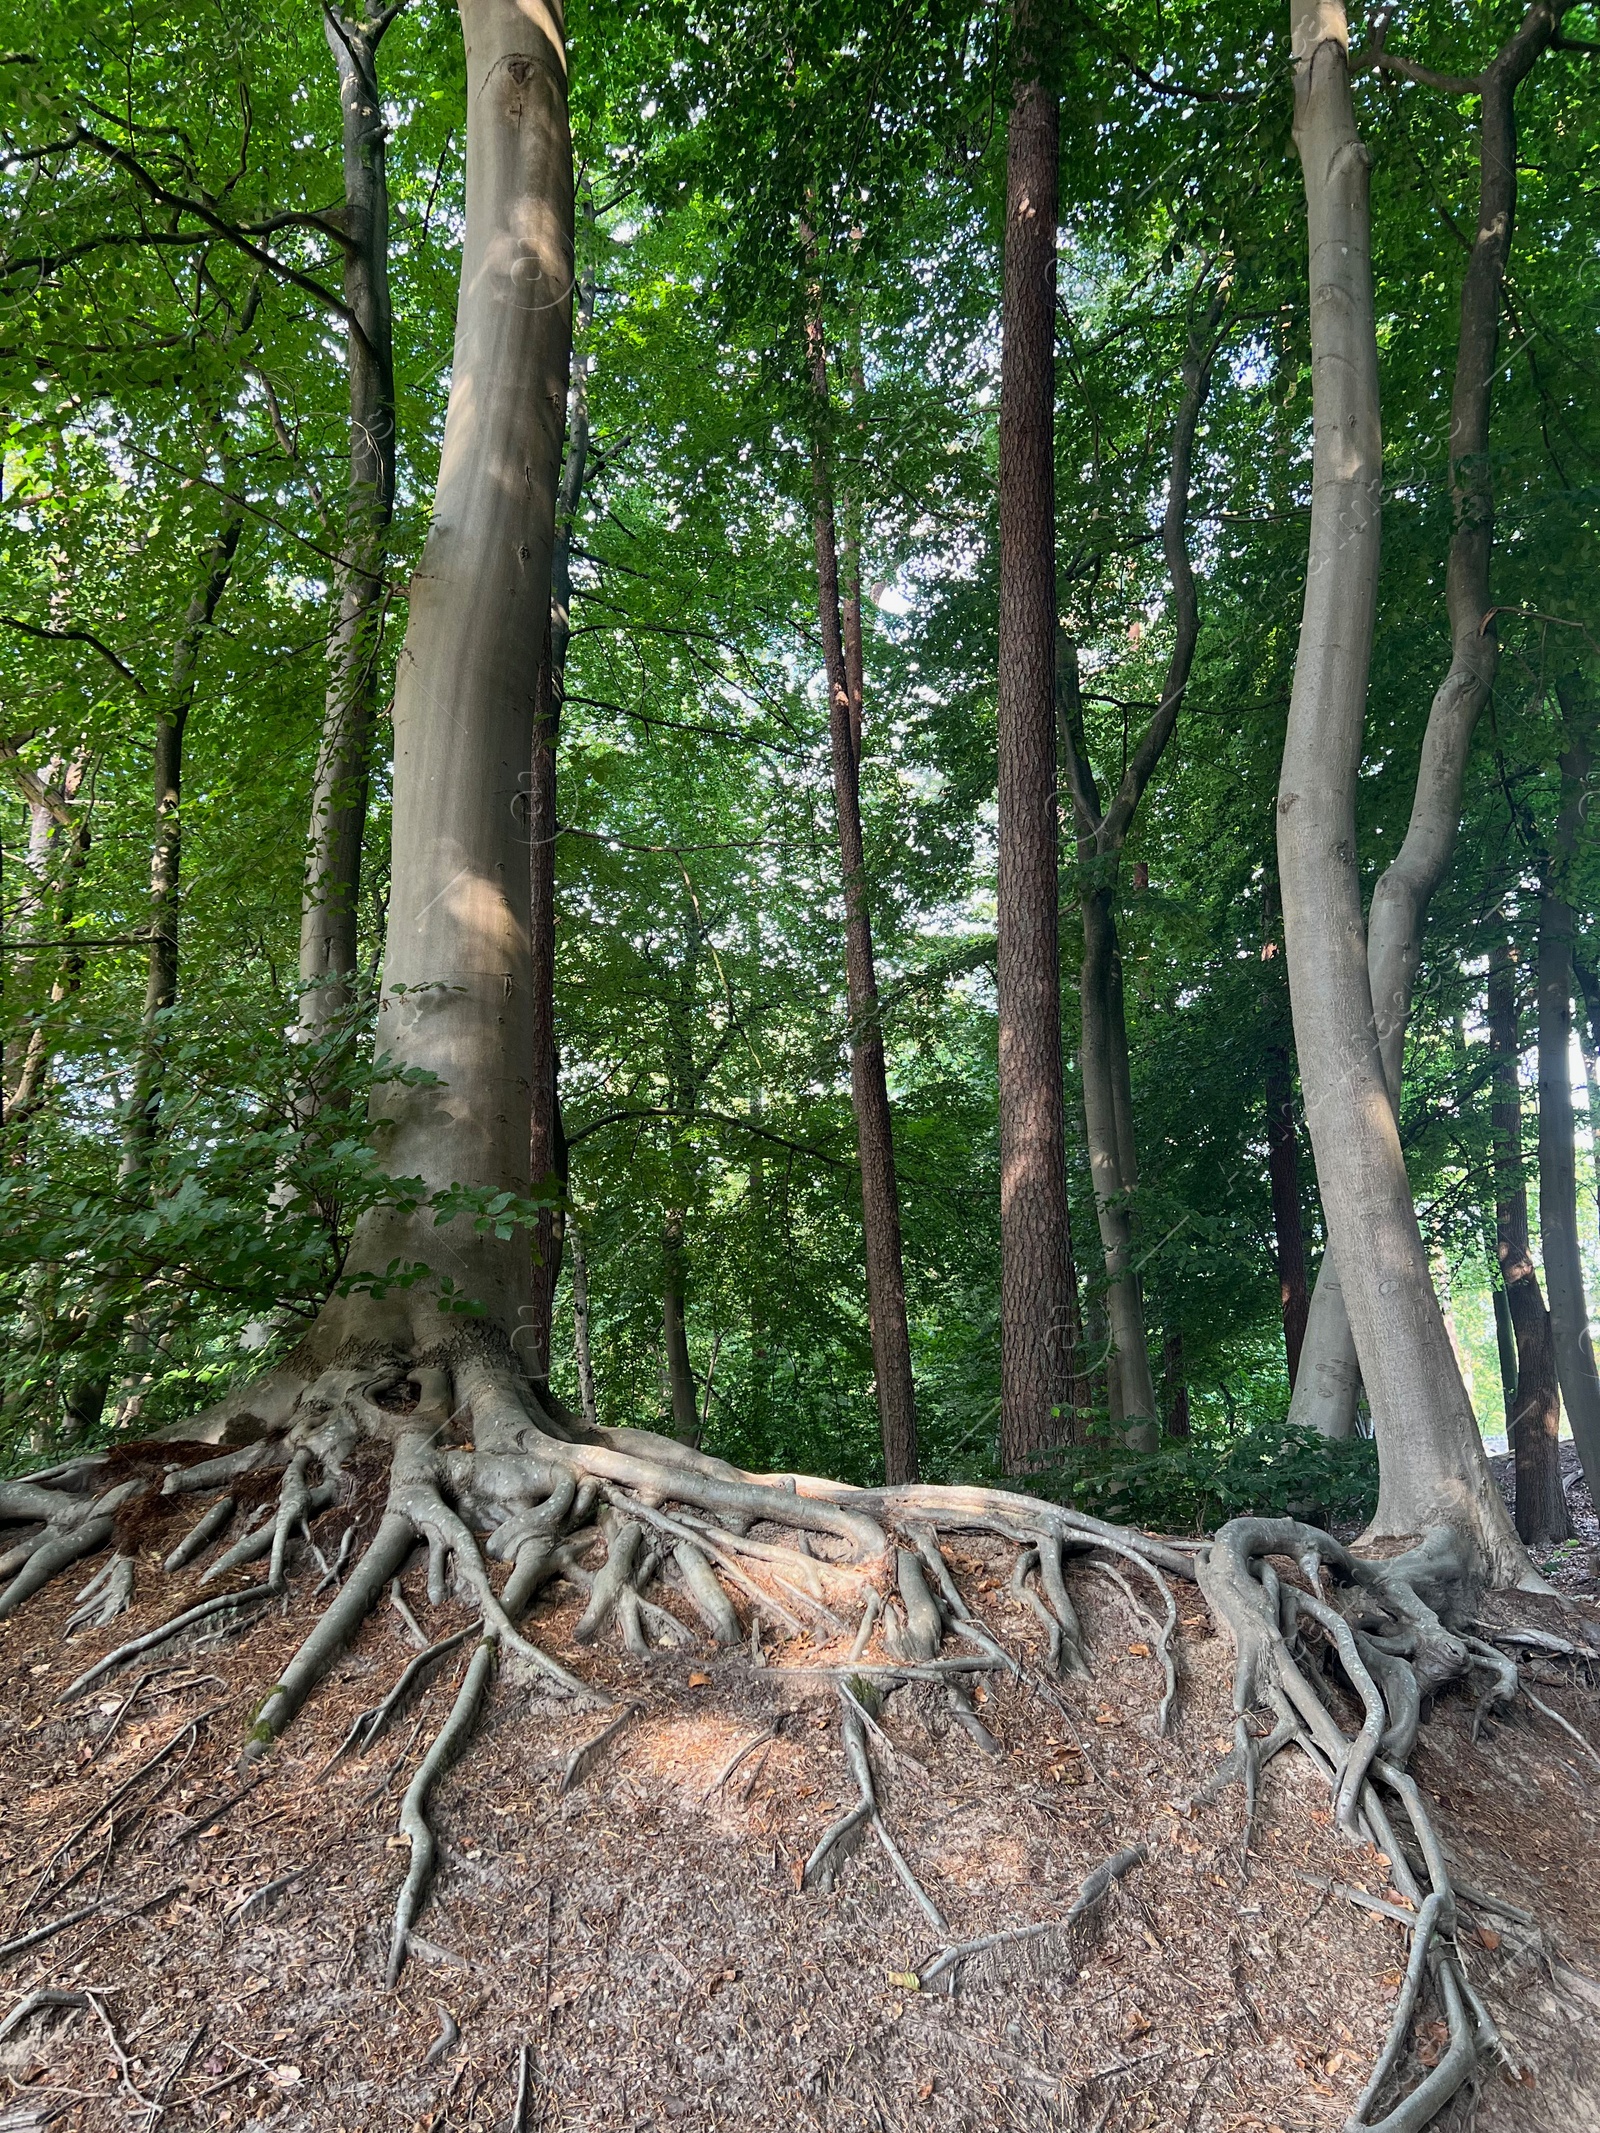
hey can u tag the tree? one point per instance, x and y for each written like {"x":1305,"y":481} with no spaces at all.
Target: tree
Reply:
{"x":1103,"y":829}
{"x":329,"y":915}
{"x":1038,"y":1287}
{"x":1558,"y":1185}
{"x":1533,"y":1412}
{"x":1432,"y":1468}
{"x":1404,"y":891}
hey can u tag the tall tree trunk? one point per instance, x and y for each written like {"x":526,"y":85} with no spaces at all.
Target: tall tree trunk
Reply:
{"x":1283,"y":1172}
{"x":547,"y":1154}
{"x":1175,"y":1384}
{"x":479,"y":607}
{"x":1102,"y":835}
{"x":1431,"y":1465}
{"x":1405,"y":889}
{"x":869,"y":1086}
{"x":582,"y":1349}
{"x":58,"y":843}
{"x":85,"y":1398}
{"x":166,"y":852}
{"x":329,"y":907}
{"x":682,"y":1395}
{"x":1558,"y":1177}
{"x":1534,"y":1410}
{"x":1038,"y":1295}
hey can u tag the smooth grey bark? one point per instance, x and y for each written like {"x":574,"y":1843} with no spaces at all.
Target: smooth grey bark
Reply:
{"x":1558,"y":1175}
{"x":1431,"y":1464}
{"x":329,"y":905}
{"x":457,"y":995}
{"x":547,"y":1153}
{"x":1533,"y":1409}
{"x":1405,"y":889}
{"x":1102,"y":835}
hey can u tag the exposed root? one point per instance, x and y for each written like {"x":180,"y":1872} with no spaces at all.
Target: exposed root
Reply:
{"x":481,"y":1476}
{"x":1392,"y":1646}
{"x":583,"y":1759}
{"x":446,"y":2041}
{"x":448,"y":1744}
{"x":947,"y":1968}
{"x":839,"y":1839}
{"x":109,"y":1593}
{"x":201,"y":1534}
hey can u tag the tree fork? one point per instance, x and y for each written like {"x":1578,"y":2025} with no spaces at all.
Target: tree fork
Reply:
{"x":1431,"y":1463}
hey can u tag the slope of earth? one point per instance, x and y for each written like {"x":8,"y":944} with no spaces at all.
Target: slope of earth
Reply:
{"x":636,"y":1951}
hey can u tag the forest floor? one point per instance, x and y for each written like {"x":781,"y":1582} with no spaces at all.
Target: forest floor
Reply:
{"x":644,"y":1938}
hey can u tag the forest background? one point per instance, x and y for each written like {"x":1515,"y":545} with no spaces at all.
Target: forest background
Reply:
{"x":173,"y":362}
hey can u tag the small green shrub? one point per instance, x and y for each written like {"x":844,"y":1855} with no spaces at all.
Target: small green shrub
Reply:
{"x":1193,"y":1485}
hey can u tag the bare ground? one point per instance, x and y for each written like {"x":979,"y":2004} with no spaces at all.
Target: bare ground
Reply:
{"x":644,"y":1938}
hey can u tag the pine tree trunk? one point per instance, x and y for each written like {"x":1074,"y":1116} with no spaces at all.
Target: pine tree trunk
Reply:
{"x":1037,"y":1293}
{"x":1406,"y":887}
{"x":329,"y":907}
{"x":1534,"y":1410}
{"x":1431,"y":1464}
{"x":1558,"y":1174}
{"x":869,"y":1086}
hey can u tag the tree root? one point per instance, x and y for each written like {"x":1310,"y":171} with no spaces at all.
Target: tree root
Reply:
{"x":948,"y":1966}
{"x":480,"y":1474}
{"x":448,"y":1744}
{"x":583,"y":1759}
{"x":840,"y":1837}
{"x":1392,"y":1645}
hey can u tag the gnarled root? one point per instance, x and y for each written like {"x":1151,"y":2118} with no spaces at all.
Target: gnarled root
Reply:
{"x":1385,"y":1629}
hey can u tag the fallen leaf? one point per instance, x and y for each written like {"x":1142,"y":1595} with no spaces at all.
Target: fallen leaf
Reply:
{"x":1139,"y":1651}
{"x":925,"y":2093}
{"x":907,"y":1980}
{"x":1488,"y":1938}
{"x":285,"y":2077}
{"x":699,"y":1681}
{"x":1105,"y":1716}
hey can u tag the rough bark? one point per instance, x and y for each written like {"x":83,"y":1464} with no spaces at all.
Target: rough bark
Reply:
{"x":1288,"y":1229}
{"x":1558,"y":1177}
{"x":547,"y":1158}
{"x":457,"y":993}
{"x":1533,"y":1413}
{"x":1037,"y":1293}
{"x":1102,"y":835}
{"x":869,"y":1086}
{"x":1405,"y":889}
{"x":329,"y":906}
{"x":1431,"y":1464}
